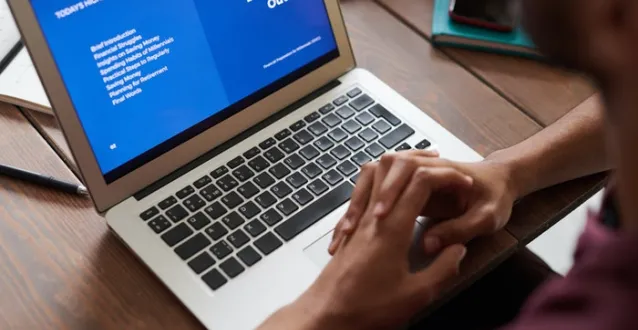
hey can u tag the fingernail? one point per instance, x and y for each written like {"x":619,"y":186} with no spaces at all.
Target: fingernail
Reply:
{"x":379,"y":209}
{"x":331,"y":247}
{"x":469,"y":179}
{"x":432,"y":245}
{"x":347,"y":224}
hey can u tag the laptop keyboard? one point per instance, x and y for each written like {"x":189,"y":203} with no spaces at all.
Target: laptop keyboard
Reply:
{"x":243,"y":211}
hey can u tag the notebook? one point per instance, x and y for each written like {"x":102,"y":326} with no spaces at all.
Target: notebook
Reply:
{"x":446,"y":32}
{"x":19,"y":82}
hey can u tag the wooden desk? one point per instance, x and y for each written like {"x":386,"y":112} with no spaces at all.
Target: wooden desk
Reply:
{"x":62,"y":268}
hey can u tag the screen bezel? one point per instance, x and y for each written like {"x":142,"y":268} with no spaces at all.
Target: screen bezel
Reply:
{"x":107,"y":195}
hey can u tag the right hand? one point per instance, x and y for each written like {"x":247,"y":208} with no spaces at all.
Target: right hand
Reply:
{"x":482,"y":208}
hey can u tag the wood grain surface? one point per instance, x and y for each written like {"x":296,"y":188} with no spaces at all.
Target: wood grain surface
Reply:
{"x":544,"y":92}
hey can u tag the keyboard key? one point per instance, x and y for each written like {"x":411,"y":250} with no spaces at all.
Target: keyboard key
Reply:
{"x":238,"y":238}
{"x":312,"y":213}
{"x":354,"y":143}
{"x":375,"y":150}
{"x":395,"y":137}
{"x":271,"y":217}
{"x":403,"y":147}
{"x":227,"y":183}
{"x":266,"y":199}
{"x":340,"y":152}
{"x":423,"y":145}
{"x":333,"y":177}
{"x":354,"y":92}
{"x":326,"y":108}
{"x":379,"y":111}
{"x":287,"y":207}
{"x":249,"y":210}
{"x":361,"y":159}
{"x":309,"y":152}
{"x":318,"y":187}
{"x":303,"y":137}
{"x":252,"y":152}
{"x":233,"y":220}
{"x":302,"y":196}
{"x":381,"y":126}
{"x":279,"y":171}
{"x":326,"y":161}
{"x":185,"y":192}
{"x":368,"y":135}
{"x":281,"y":190}
{"x":346,"y":168}
{"x":351,"y":126}
{"x":317,"y":128}
{"x":364,"y":118}
{"x":362,"y":102}
{"x":274,"y":155}
{"x":249,"y":256}
{"x":294,"y":162}
{"x":236,"y":162}
{"x":170,"y":201}
{"x":248,"y":189}
{"x":289,"y":146}
{"x":202,"y":182}
{"x":243,"y":173}
{"x":192,"y":246}
{"x":282,"y":135}
{"x":340,"y":100}
{"x":258,"y":164}
{"x":231,"y":200}
{"x":194,"y":203}
{"x":345,"y":112}
{"x":264,"y":180}
{"x":338,"y":135}
{"x":216,"y":174}
{"x":216,"y":231}
{"x":268,"y":243}
{"x":298,"y":125}
{"x":331,"y":120}
{"x":177,"y":234}
{"x":324,"y":143}
{"x":177,"y":213}
{"x":214,"y":279}
{"x":267,"y":143}
{"x":296,"y":180}
{"x":159,"y":224}
{"x":311,"y":170}
{"x":215,"y":210}
{"x":211,"y":193}
{"x":201,"y":263}
{"x":232,"y":267}
{"x":312,"y":117}
{"x":153,"y":211}
{"x":355,"y":177}
{"x":255,"y":228}
{"x":221,"y":250}
{"x":198,"y":221}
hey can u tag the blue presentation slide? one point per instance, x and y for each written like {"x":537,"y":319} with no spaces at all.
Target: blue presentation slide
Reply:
{"x":140,"y":72}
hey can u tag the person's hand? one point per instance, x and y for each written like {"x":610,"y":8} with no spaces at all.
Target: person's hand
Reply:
{"x":481,"y":210}
{"x":368,"y":283}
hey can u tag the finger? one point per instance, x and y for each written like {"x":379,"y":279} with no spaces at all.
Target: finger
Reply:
{"x":358,"y":205}
{"x":394,"y":182}
{"x":429,"y":282}
{"x":384,"y":165}
{"x":476,"y":222}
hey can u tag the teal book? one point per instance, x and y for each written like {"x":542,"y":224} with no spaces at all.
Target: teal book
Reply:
{"x":446,"y":32}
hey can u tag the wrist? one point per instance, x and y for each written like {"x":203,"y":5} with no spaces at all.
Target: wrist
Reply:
{"x":518,"y":174}
{"x":315,"y":313}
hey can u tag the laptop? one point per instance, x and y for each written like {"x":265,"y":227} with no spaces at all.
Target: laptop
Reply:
{"x":221,"y":142}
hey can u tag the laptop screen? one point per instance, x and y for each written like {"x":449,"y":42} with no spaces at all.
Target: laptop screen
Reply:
{"x":147,"y":75}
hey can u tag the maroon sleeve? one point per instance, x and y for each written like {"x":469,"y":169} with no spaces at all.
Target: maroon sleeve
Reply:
{"x":600,"y":292}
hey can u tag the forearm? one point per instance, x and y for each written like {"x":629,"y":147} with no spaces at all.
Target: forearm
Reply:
{"x":572,"y":147}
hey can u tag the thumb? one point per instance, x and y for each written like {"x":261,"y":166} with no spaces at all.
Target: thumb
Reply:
{"x":456,"y":231}
{"x":440,"y":272}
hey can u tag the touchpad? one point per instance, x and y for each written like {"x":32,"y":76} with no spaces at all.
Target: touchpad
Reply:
{"x":318,"y":251}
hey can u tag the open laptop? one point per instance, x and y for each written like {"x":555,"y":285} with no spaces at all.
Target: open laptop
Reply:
{"x":220,"y":141}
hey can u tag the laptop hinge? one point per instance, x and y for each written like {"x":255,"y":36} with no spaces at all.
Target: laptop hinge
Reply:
{"x":234,"y":141}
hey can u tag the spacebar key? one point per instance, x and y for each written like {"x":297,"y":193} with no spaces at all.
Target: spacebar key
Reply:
{"x":398,"y":135}
{"x":315,"y":211}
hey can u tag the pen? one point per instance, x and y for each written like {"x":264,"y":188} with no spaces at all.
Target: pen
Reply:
{"x":46,"y":181}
